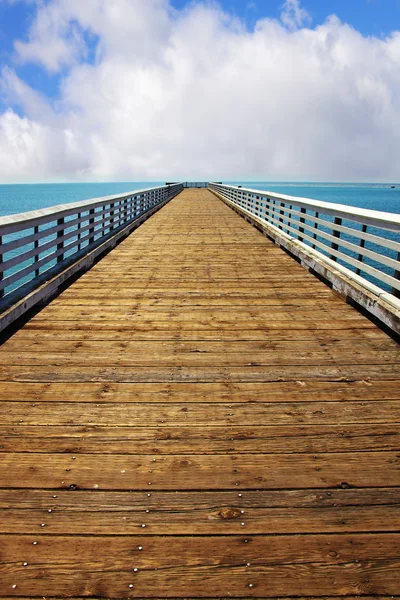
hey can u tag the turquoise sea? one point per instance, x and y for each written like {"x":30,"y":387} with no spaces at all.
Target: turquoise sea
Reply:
{"x":24,"y":197}
{"x":17,"y":198}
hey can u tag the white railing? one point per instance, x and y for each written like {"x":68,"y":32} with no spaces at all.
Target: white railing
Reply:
{"x":36,"y":245}
{"x":192,"y":184}
{"x":365,"y":241}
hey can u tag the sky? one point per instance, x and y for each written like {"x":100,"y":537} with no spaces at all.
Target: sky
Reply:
{"x":112,"y":90}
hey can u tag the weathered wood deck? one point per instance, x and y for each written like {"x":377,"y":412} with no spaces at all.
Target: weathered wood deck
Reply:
{"x":198,"y":416}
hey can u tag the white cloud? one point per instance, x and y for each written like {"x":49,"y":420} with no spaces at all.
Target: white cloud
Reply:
{"x":192,"y":94}
{"x":17,"y":91}
{"x":293,"y":15}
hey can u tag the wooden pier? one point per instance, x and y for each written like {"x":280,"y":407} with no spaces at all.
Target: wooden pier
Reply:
{"x":198,"y":416}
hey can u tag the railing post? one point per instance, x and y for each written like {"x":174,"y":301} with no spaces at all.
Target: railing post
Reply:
{"x":282,"y":213}
{"x":336,"y":234}
{"x":60,"y":245}
{"x":290,"y":216}
{"x":395,"y":291}
{"x":79,"y":232}
{"x":104,"y":218}
{"x":362,"y":244}
{"x":91,"y":222}
{"x":315,"y":227}
{"x":125,"y":212}
{"x":36,"y":246}
{"x":1,"y":270}
{"x":267,"y":209}
{"x":302,"y":220}
{"x":273,"y":211}
{"x":112,"y":216}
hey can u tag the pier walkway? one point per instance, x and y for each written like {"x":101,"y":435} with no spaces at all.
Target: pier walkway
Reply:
{"x":198,"y":416}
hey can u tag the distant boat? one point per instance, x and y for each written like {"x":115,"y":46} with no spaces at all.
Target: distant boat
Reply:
{"x":393,"y":186}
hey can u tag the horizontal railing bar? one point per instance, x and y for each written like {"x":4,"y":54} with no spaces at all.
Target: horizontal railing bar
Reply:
{"x":389,"y":262}
{"x":384,"y":220}
{"x":98,"y":226}
{"x":20,"y":258}
{"x":345,"y":257}
{"x":35,"y":237}
{"x":49,"y":257}
{"x":368,"y":237}
{"x":19,"y":222}
{"x":282,"y":218}
{"x":28,"y":239}
{"x":101,"y":237}
{"x":7,"y":281}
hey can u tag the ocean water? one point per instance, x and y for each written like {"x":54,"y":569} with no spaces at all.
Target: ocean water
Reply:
{"x":24,"y":197}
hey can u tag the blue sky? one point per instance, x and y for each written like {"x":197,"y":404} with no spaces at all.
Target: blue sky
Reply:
{"x":127,"y":89}
{"x":370,"y":17}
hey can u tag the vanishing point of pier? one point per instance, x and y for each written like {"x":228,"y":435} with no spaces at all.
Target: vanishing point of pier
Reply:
{"x":197,"y":414}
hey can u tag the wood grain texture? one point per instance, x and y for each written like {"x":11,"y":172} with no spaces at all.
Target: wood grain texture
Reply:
{"x":199,"y":417}
{"x":201,"y":414}
{"x":190,"y":566}
{"x":94,"y":439}
{"x":377,"y":597}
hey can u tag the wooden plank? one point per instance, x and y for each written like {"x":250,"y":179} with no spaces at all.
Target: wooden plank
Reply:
{"x":190,"y":472}
{"x":200,"y":314}
{"x":275,"y":391}
{"x":92,"y":439}
{"x":200,"y":414}
{"x":250,"y":374}
{"x":194,"y":566}
{"x":109,"y":294}
{"x":196,"y":521}
{"x":115,"y":330}
{"x":192,"y":287}
{"x":201,"y":358}
{"x":103,"y":501}
{"x":110,"y":332}
{"x":143,"y":304}
{"x":378,"y":597}
{"x":180,"y":348}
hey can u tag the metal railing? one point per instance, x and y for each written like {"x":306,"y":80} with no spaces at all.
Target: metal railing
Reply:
{"x":195,"y":184}
{"x":367,"y":242}
{"x":192,"y":184}
{"x":36,"y":245}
